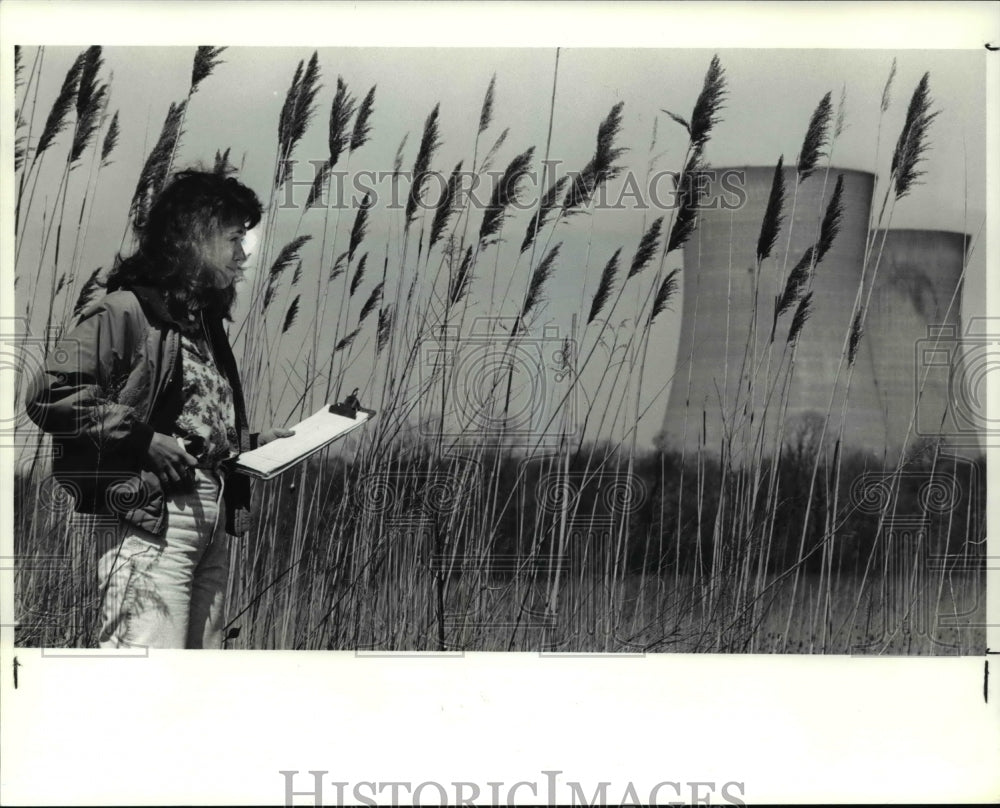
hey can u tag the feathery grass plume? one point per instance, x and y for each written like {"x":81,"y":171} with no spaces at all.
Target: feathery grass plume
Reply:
{"x":222,"y":165}
{"x":288,"y":255}
{"x":504,"y":194}
{"x":338,"y":267}
{"x":690,"y":194}
{"x":838,"y":126}
{"x":60,"y":284}
{"x":88,"y":292}
{"x":459,"y":285}
{"x":362,"y":128}
{"x":771,"y":223}
{"x":647,"y":247}
{"x":318,"y":184}
{"x":817,"y":135}
{"x":371,"y":302}
{"x":486,"y":113}
{"x":397,"y":162}
{"x":297,"y":274}
{"x":492,"y":153}
{"x":802,"y":313}
{"x":340,"y":117}
{"x":601,"y":167}
{"x":887,"y":90}
{"x":269,"y":294}
{"x":157,"y":165}
{"x":794,"y":284}
{"x":110,"y":140}
{"x":663,"y":295}
{"x":831,"y":220}
{"x":346,"y":341}
{"x":359,"y":275}
{"x":855,"y":339}
{"x":604,"y":286}
{"x":285,"y":116}
{"x":445,"y":206}
{"x":20,"y":141}
{"x":296,"y":112}
{"x":88,"y":122}
{"x":56,"y":121}
{"x":428,"y":145}
{"x":912,"y":141}
{"x":88,"y":86}
{"x":706,"y":109}
{"x":538,"y":279}
{"x":206,"y":59}
{"x":678,"y":119}
{"x":290,"y":315}
{"x":541,"y":215}
{"x":360,"y":225}
{"x":385,"y":317}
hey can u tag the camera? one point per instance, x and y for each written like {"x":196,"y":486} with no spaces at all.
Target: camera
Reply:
{"x":497,"y":387}
{"x":960,"y":365}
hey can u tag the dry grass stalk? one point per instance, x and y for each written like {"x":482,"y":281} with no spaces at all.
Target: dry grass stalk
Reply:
{"x":771,"y":224}
{"x":461,"y":280}
{"x":369,"y":305}
{"x":817,"y":136}
{"x":647,"y":248}
{"x":604,"y":286}
{"x":690,"y":195}
{"x":362,"y":127}
{"x":290,"y":315}
{"x":538,"y":279}
{"x":504,"y":194}
{"x":664,"y":295}
{"x":429,"y":143}
{"x":56,"y":120}
{"x":385,"y":320}
{"x":359,"y":275}
{"x":486,"y":113}
{"x":912,"y":143}
{"x":801,"y":315}
{"x":296,"y":113}
{"x":546,"y":206}
{"x":446,"y":205}
{"x":360,"y":227}
{"x":206,"y":59}
{"x":157,"y":167}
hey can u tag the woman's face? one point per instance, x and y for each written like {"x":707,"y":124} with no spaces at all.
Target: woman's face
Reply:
{"x":223,"y":255}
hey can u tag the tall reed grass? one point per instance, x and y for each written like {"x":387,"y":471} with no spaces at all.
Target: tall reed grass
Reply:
{"x":449,"y":524}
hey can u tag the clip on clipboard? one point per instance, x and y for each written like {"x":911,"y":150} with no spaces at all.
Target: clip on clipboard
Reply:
{"x":321,"y":429}
{"x":350,"y":407}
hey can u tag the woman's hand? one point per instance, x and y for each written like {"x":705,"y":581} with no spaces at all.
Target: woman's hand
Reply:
{"x":273,"y":433}
{"x":167,"y":458}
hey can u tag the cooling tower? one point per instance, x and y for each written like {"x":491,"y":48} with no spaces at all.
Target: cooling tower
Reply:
{"x":914,"y":327}
{"x":718,"y":356}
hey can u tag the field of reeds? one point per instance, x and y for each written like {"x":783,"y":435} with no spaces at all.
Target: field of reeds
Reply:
{"x":500,"y":500}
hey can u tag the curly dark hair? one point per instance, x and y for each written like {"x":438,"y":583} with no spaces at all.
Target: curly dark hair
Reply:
{"x":192,"y":207}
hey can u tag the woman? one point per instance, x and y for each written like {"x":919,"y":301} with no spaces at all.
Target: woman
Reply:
{"x":144,"y":403}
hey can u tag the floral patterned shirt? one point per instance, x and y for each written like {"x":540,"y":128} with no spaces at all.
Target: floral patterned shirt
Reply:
{"x":207,"y":423}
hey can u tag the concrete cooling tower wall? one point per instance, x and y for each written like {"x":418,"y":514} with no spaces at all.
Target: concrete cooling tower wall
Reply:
{"x":718,"y":293}
{"x":914,"y":328}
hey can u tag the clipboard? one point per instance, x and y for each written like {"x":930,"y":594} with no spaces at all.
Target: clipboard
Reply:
{"x":325,"y":426}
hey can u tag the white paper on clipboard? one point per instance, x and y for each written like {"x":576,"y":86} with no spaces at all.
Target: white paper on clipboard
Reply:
{"x":318,"y":430}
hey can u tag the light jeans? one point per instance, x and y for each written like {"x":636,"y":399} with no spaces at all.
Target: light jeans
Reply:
{"x":167,"y":591}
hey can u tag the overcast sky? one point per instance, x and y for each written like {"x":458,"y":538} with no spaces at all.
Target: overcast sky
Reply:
{"x":771,"y":95}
